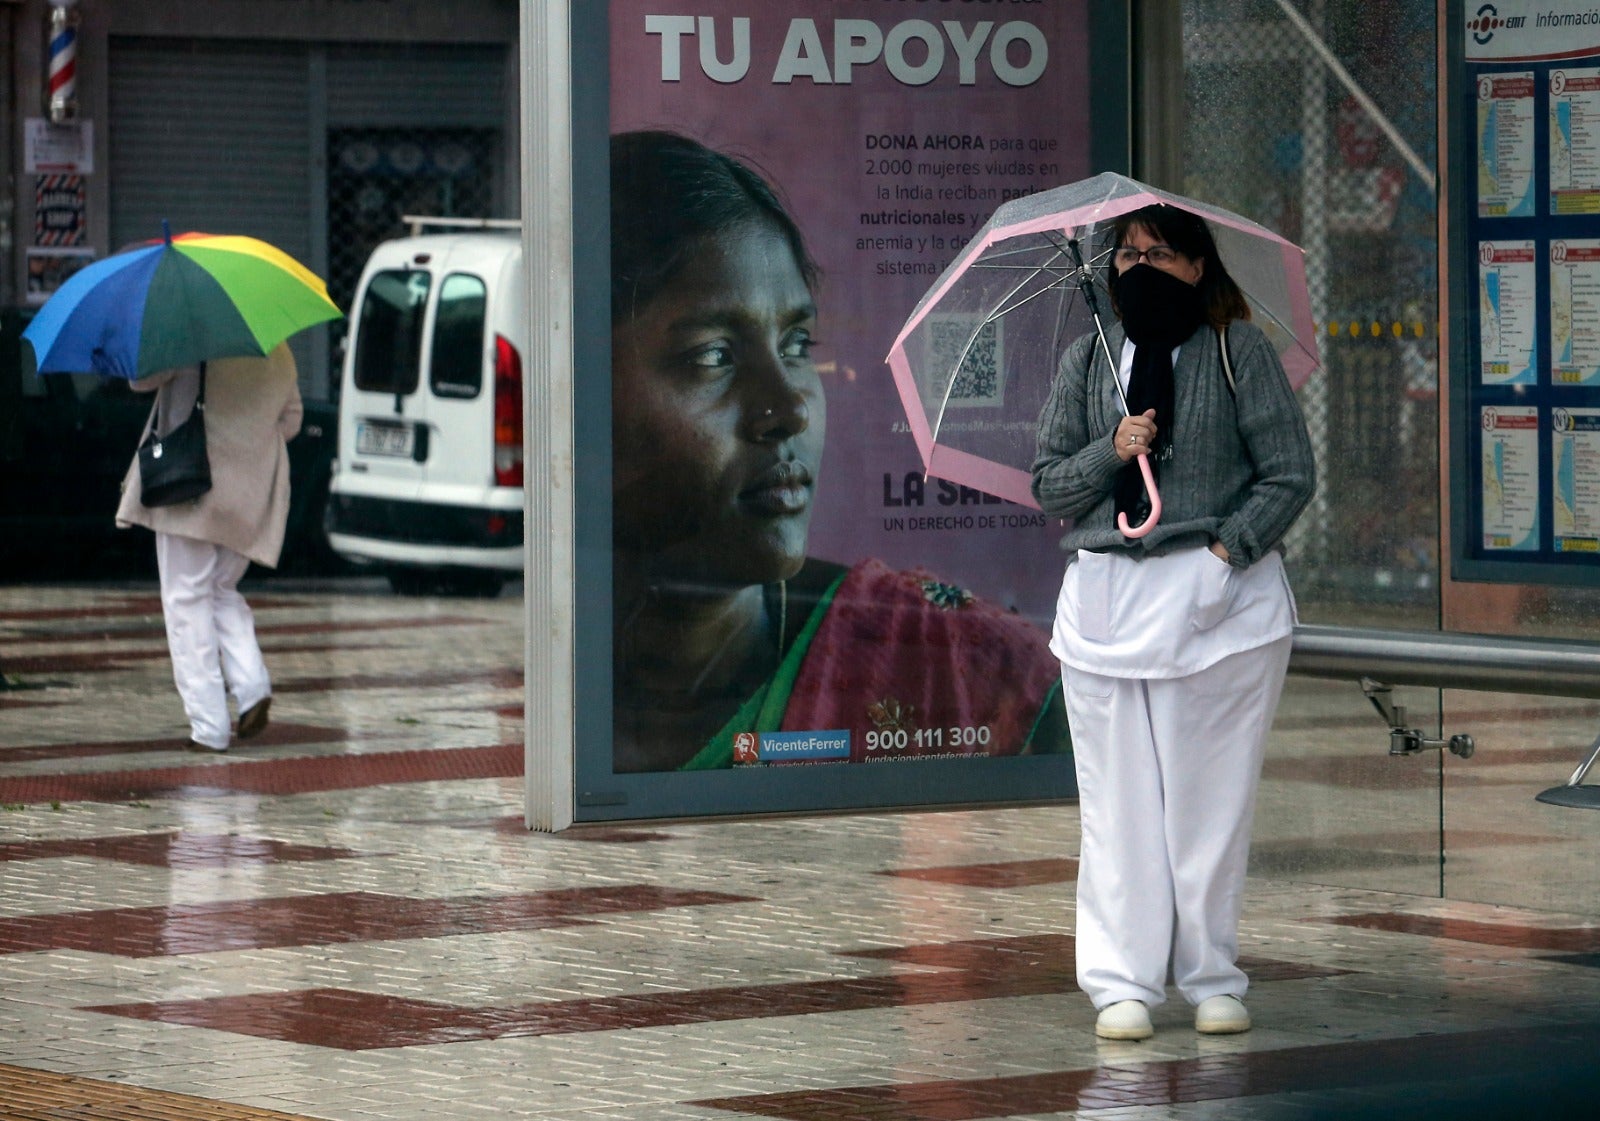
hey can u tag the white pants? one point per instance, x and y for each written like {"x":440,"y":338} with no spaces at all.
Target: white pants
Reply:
{"x":211,"y":634}
{"x":1167,"y":776}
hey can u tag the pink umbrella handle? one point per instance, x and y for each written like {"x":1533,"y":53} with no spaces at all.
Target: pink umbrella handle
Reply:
{"x":1149,"y":523}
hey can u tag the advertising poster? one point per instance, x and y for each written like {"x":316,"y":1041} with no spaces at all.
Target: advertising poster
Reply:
{"x":1525,"y":310}
{"x":1575,"y":311}
{"x":58,"y":211}
{"x":1575,"y":141}
{"x":57,"y":149}
{"x":1507,"y":313}
{"x":49,"y":269}
{"x":1575,"y":498}
{"x":787,"y":180}
{"x":1510,"y":514}
{"x":1505,"y":145}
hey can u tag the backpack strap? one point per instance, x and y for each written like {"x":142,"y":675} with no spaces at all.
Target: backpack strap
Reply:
{"x":1227,"y":358}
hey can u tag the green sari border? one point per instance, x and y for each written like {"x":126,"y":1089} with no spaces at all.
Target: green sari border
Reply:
{"x":763,"y":712}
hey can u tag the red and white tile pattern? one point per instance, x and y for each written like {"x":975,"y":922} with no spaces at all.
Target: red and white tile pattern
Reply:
{"x":345,"y":919}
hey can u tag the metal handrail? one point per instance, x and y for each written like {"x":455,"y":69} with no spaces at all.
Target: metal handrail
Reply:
{"x":1379,"y":658}
{"x":1492,"y":663}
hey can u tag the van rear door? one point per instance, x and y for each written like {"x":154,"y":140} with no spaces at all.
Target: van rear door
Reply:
{"x":431,"y":435}
{"x":389,"y":444}
{"x":456,"y":400}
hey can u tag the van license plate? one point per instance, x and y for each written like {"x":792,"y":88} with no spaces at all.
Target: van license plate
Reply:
{"x":376,"y":438}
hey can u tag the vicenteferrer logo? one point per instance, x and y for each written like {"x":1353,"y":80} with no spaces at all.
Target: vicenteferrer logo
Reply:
{"x":744,"y":748}
{"x":833,"y":744}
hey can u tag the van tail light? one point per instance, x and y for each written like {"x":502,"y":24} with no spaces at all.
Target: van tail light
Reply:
{"x":507,"y":414}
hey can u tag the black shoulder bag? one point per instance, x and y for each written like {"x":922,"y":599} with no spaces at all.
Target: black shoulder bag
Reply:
{"x":174,"y":468}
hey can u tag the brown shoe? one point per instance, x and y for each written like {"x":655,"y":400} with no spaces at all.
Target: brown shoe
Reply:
{"x":196,"y":745}
{"x":253,"y":720}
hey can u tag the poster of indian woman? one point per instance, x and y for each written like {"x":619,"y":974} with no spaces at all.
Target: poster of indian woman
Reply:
{"x":787,"y":180}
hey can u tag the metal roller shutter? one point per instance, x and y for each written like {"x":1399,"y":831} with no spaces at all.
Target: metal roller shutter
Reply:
{"x":382,"y":86}
{"x":216,"y":136}
{"x":213,"y":136}
{"x":232,"y":137}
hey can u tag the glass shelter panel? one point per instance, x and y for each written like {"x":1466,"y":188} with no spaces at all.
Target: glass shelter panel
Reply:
{"x":799,"y":587}
{"x":1521,"y":91}
{"x":1504,"y":847}
{"x":1316,"y":119}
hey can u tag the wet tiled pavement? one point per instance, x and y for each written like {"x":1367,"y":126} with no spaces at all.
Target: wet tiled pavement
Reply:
{"x":345,"y":918}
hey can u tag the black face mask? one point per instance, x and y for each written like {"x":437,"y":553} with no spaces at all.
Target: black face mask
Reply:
{"x":1157,"y":307}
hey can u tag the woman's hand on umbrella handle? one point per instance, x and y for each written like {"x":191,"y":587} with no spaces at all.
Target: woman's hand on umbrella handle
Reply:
{"x":1134,"y":435}
{"x":1149,"y":523}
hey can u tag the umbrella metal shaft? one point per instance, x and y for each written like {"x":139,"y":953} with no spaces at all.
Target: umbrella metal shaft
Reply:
{"x":1086,"y":284}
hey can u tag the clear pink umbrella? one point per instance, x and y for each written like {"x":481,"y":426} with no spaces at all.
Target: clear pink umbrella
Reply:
{"x":975,"y":360}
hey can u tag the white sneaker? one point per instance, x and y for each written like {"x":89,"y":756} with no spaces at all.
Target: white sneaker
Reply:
{"x":1221,"y":1015}
{"x":1126,"y":1019}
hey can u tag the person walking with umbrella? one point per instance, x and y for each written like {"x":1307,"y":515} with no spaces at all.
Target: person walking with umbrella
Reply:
{"x":204,"y":546}
{"x":197,"y":317}
{"x":1174,"y":644}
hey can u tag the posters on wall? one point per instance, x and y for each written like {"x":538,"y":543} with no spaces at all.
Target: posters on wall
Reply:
{"x":789,"y":588}
{"x":50,"y":268}
{"x":1575,"y":311}
{"x":49,"y":148}
{"x":1575,"y":454}
{"x":1506,"y":312}
{"x":59,"y":157}
{"x":1530,"y":133}
{"x":1510,"y":477}
{"x":1505,"y":145}
{"x":1575,"y":141}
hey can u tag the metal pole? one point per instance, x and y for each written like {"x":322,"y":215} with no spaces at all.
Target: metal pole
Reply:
{"x":1433,"y":659}
{"x":549,"y":692}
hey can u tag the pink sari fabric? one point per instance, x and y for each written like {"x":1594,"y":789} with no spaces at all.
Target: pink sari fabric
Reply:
{"x":903,"y":652}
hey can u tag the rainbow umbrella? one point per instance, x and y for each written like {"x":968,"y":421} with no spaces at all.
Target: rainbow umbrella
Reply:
{"x":173,"y":302}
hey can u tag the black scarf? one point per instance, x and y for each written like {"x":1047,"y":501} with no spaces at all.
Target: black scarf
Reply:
{"x":1159,"y":311}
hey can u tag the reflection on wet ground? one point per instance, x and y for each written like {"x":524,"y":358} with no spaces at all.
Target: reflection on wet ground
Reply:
{"x":346,"y":919}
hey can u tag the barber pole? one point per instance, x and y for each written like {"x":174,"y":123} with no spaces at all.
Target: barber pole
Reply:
{"x":63,"y":101}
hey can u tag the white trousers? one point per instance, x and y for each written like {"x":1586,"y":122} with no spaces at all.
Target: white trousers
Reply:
{"x":211,"y":634}
{"x":1167,"y":776}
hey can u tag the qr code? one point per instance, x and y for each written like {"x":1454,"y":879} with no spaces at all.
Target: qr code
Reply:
{"x":977,"y":346}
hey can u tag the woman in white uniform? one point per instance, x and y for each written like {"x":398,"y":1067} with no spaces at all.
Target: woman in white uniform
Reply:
{"x":203,"y":546}
{"x":1173,"y":645}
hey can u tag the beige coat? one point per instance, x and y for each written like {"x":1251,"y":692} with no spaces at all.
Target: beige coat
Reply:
{"x":252,"y":410}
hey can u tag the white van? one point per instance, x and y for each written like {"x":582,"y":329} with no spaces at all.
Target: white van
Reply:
{"x":427,"y":486}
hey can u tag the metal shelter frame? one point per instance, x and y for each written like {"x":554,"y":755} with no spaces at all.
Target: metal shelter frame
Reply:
{"x":1379,"y":659}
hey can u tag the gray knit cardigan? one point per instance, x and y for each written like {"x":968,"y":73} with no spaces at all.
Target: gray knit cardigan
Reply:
{"x":1241,"y":466}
